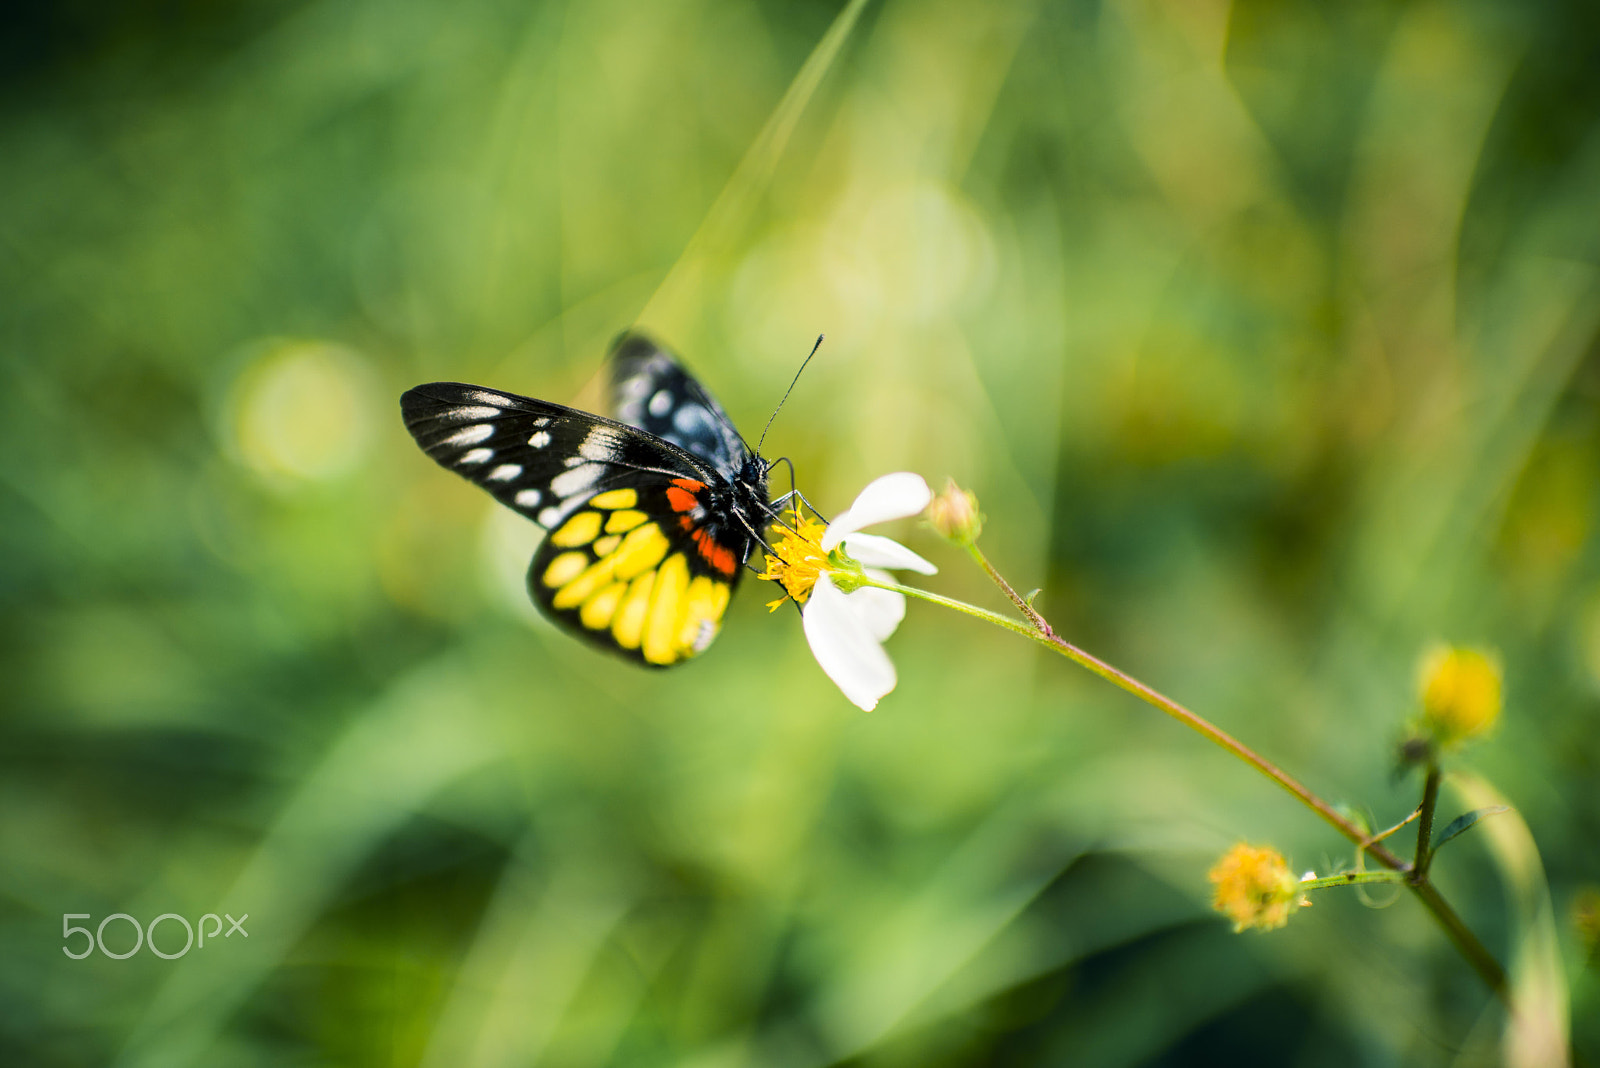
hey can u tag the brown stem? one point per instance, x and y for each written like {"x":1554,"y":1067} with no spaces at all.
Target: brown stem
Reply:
{"x":1017,"y":599}
{"x":1466,"y":942}
{"x":1194,"y":722}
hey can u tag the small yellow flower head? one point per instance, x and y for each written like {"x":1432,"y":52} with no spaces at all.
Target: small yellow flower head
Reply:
{"x":798,"y":561}
{"x":1460,"y":693}
{"x":954,"y":514}
{"x":1255,"y":887}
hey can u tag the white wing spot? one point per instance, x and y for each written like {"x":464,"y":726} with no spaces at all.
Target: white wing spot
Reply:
{"x":469,"y":435}
{"x":602,"y":444}
{"x":550,"y":516}
{"x":691,"y":419}
{"x":540,"y":439}
{"x":475,"y":456}
{"x":504,"y":473}
{"x":528,"y":498}
{"x":471,"y":411}
{"x":707,"y":632}
{"x":661,"y":403}
{"x":575,"y":481}
{"x":483,"y":396}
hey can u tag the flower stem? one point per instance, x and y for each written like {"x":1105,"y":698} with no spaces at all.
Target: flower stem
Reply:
{"x":1482,"y":961}
{"x":949,"y":602}
{"x":1046,"y":636}
{"x":1352,"y":878}
{"x":1381,"y":835}
{"x":1022,"y":603}
{"x":1414,"y":875}
{"x":1430,"y":798}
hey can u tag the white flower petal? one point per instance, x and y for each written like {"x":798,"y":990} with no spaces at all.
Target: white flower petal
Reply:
{"x":889,"y":497}
{"x":880,"y":610}
{"x":875,"y":550}
{"x":845,"y":647}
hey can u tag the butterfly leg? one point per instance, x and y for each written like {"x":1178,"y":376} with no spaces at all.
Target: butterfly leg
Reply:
{"x":775,"y":507}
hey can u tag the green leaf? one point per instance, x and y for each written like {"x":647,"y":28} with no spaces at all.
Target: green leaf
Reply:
{"x":1465,"y":820}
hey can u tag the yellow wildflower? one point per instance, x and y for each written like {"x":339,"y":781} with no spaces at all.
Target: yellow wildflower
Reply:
{"x":1460,"y":691}
{"x":798,"y":561}
{"x":1255,"y":887}
{"x":844,"y":579}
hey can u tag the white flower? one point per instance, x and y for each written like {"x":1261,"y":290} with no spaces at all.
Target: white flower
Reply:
{"x":846,"y":631}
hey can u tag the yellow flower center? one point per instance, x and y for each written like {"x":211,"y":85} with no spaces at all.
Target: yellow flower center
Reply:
{"x":798,"y":561}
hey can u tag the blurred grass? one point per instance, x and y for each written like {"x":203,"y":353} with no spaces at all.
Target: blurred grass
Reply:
{"x":1265,"y":333}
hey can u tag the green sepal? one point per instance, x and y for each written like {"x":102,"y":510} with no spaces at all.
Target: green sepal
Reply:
{"x":844,"y":571}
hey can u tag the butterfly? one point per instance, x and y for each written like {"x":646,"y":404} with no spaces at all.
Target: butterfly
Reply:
{"x":651,"y":515}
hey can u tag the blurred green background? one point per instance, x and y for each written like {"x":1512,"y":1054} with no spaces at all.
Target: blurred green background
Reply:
{"x":1265,"y":332}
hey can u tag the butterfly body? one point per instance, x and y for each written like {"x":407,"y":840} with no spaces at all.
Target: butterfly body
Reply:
{"x":650,"y":516}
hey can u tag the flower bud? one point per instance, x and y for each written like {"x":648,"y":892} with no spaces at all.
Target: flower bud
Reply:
{"x":1255,"y":887}
{"x":1460,"y":690}
{"x":954,"y":514}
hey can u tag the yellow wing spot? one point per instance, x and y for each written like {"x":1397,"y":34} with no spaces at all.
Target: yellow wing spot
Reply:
{"x":564,"y":568}
{"x":617,"y":498}
{"x":642,"y":549}
{"x":704,"y":604}
{"x":621,"y":522}
{"x":628,"y":625}
{"x":666,"y":603}
{"x":597,"y":611}
{"x":574,"y":593}
{"x":607,"y":545}
{"x":579,"y":530}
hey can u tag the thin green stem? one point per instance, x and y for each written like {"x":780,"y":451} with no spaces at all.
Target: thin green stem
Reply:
{"x":1022,"y":603}
{"x":1384,"y":834}
{"x":1042,"y":633}
{"x":1430,"y":798}
{"x":1482,"y":961}
{"x":1413,"y":875}
{"x":1353,"y":878}
{"x":949,"y":602}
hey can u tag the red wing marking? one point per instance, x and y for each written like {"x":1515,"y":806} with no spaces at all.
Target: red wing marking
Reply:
{"x":681,"y":494}
{"x":722,"y":559}
{"x":714,"y":552}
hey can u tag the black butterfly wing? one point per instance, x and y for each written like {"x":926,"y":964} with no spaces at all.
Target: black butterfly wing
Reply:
{"x":631,"y":572}
{"x":629,"y":563}
{"x":652,"y":391}
{"x":541,"y":459}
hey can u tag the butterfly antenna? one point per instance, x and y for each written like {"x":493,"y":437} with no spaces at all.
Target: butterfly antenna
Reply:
{"x":786,"y":393}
